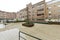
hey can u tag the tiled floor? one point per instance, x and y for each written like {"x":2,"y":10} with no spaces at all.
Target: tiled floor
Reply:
{"x":11,"y":34}
{"x":42,"y":31}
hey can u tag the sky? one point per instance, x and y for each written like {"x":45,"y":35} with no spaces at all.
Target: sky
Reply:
{"x":15,"y":5}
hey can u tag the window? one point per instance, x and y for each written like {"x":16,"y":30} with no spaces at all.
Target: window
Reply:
{"x":32,"y":19}
{"x":40,"y":14}
{"x":49,"y":7}
{"x":33,"y":6}
{"x":40,"y":10}
{"x":38,"y":6}
{"x":33,"y":15}
{"x":26,"y":16}
{"x":29,"y":12}
{"x":40,"y":19}
{"x":42,"y":5}
{"x":58,"y":10}
{"x":49,"y":12}
{"x":58,"y":5}
{"x":50,"y":16}
{"x":20,"y":14}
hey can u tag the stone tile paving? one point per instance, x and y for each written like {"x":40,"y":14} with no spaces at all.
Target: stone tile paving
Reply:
{"x":42,"y":31}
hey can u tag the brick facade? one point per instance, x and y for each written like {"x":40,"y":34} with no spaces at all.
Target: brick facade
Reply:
{"x":37,"y":12}
{"x":54,"y":10}
{"x":7,"y":15}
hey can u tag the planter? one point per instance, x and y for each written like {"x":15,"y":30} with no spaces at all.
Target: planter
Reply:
{"x":28,"y":24}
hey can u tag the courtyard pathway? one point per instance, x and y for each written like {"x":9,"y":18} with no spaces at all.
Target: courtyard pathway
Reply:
{"x":42,"y":31}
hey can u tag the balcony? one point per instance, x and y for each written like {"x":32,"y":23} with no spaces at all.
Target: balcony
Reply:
{"x":40,"y":14}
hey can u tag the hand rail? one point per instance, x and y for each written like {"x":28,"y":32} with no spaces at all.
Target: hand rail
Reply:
{"x":29,"y":35}
{"x":22,"y":37}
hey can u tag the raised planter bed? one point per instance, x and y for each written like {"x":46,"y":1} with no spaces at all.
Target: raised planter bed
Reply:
{"x":28,"y":24}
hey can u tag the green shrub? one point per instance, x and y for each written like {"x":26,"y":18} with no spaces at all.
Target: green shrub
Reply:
{"x":17,"y":20}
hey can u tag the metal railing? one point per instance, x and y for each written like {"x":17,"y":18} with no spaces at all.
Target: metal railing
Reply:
{"x":27,"y":35}
{"x":22,"y":38}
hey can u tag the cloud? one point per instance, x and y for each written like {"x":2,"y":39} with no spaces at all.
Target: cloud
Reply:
{"x":15,"y":5}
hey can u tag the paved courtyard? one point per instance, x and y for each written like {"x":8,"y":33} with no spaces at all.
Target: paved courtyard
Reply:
{"x":11,"y":34}
{"x":42,"y":31}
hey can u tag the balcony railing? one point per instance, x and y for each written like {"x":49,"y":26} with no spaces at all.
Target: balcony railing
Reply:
{"x":27,"y":35}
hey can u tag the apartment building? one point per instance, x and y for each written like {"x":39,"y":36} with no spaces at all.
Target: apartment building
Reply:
{"x":22,"y":14}
{"x":7,"y":15}
{"x":54,"y":10}
{"x":36,"y":12}
{"x":41,"y":11}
